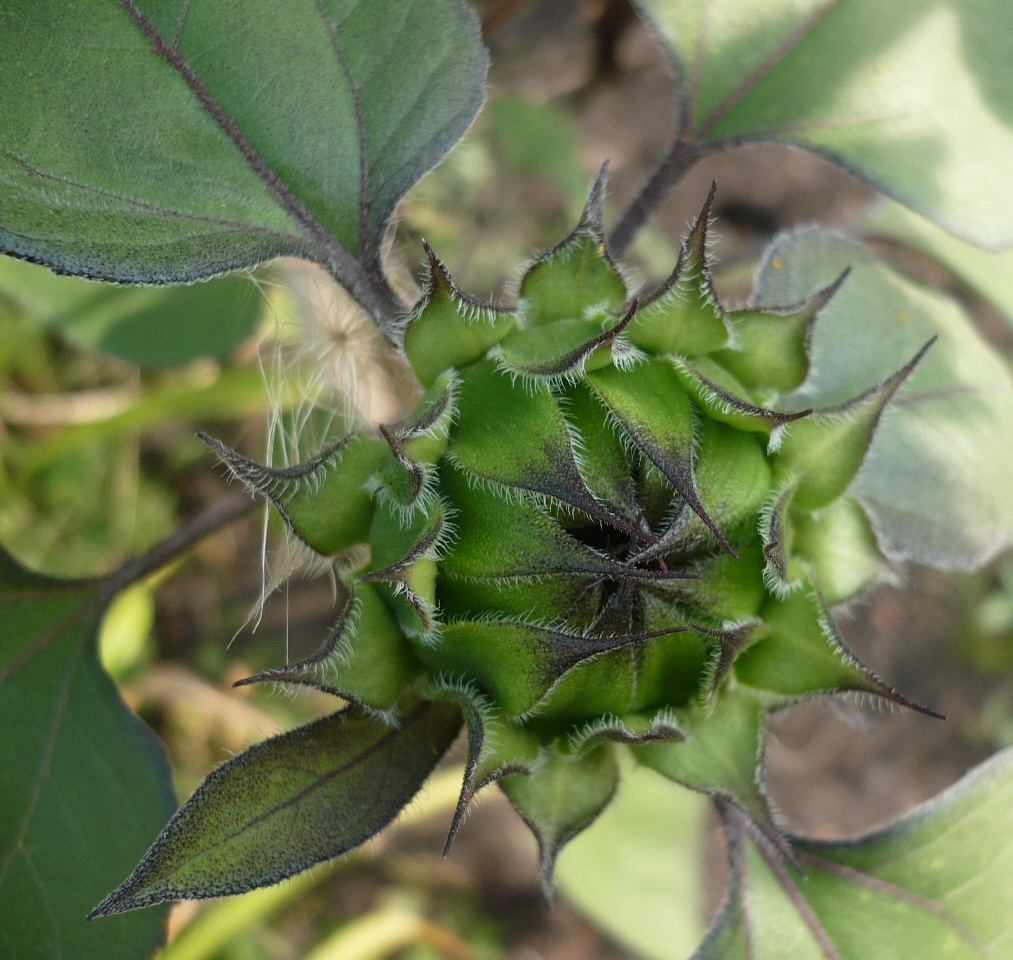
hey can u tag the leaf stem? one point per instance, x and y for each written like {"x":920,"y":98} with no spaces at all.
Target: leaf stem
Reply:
{"x":684,"y":153}
{"x":797,"y":898}
{"x":218,"y":515}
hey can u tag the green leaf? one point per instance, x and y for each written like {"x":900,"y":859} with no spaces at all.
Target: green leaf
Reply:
{"x":160,"y":143}
{"x":722,"y":755}
{"x":501,"y":540}
{"x":562,"y":350}
{"x":333,"y":511}
{"x":823,"y":453}
{"x":448,"y":328}
{"x":651,"y":409}
{"x":935,"y":481}
{"x":366,"y":659}
{"x":562,"y":797}
{"x":911,"y":96}
{"x":727,"y":587}
{"x":839,"y":547}
{"x":518,"y":663}
{"x":804,"y":655}
{"x":732,"y":477}
{"x":530,"y":449}
{"x":324,"y":501}
{"x":403,"y":561}
{"x":725,"y":399}
{"x":637,"y":873}
{"x":781,"y":574}
{"x":83,"y":784}
{"x":577,"y":276}
{"x":597,"y":686}
{"x":937,"y":883}
{"x":152,"y":327}
{"x":496,"y":748}
{"x":288,"y":803}
{"x":603,"y":461}
{"x":988,"y":274}
{"x":668,"y":669}
{"x":771,"y":347}
{"x":683,"y":316}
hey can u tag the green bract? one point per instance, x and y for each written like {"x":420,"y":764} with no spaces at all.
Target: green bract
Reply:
{"x":598,"y":531}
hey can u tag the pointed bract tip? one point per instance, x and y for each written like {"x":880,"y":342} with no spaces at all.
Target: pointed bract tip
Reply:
{"x":594,"y":208}
{"x":437,"y":268}
{"x":213,"y":442}
{"x":697,"y":239}
{"x":892,"y":384}
{"x":459,"y":811}
{"x":824,"y":296}
{"x":903,"y":701}
{"x":709,"y":202}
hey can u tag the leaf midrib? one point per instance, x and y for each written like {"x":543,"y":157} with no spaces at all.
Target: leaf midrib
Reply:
{"x":329,"y":249}
{"x":296,"y":799}
{"x":872,"y":882}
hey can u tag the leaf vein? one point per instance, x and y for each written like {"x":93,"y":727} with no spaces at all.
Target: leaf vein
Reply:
{"x":49,"y":751}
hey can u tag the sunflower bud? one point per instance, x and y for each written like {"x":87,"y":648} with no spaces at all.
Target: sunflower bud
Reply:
{"x":605,"y":527}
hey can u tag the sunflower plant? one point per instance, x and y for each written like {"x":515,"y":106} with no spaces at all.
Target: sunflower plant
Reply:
{"x":616,"y":524}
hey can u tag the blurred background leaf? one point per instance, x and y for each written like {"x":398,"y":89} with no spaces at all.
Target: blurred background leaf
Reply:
{"x":988,"y":274}
{"x":936,"y":479}
{"x":637,"y":873}
{"x":882,"y":894}
{"x":911,"y":96}
{"x":147,"y":326}
{"x":83,"y":784}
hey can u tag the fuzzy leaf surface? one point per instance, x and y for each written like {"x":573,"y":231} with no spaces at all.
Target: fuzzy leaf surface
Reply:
{"x":722,"y":755}
{"x":654,"y":413}
{"x":72,"y":753}
{"x":288,"y":803}
{"x":563,"y":796}
{"x":517,"y":437}
{"x":911,"y":96}
{"x":936,"y":479}
{"x":803,"y":654}
{"x":152,"y":328}
{"x":937,"y":883}
{"x":987,"y":273}
{"x":163,"y":142}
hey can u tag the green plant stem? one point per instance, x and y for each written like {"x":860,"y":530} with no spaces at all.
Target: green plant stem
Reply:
{"x":218,"y":515}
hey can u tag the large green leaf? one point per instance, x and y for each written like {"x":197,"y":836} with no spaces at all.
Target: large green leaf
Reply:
{"x":84,"y":787}
{"x":937,"y":883}
{"x":936,"y":480}
{"x":911,"y":95}
{"x":162,"y":142}
{"x":637,"y":872}
{"x":157,"y":327}
{"x":288,"y":803}
{"x":988,"y":274}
